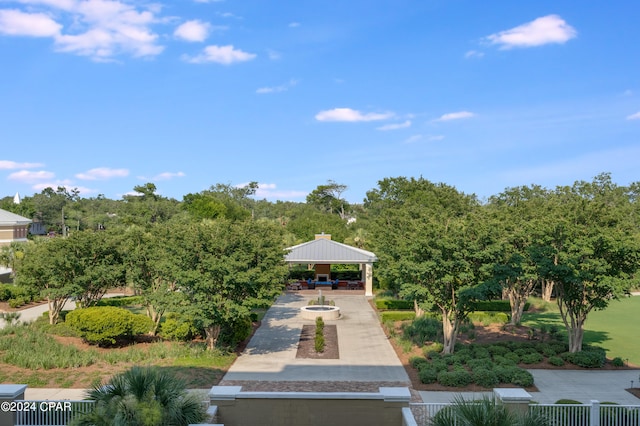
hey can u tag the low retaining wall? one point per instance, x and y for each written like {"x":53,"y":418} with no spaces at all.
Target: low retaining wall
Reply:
{"x":237,"y":408}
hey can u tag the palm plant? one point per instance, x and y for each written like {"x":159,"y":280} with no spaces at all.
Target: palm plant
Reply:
{"x":484,"y":412}
{"x":142,"y":396}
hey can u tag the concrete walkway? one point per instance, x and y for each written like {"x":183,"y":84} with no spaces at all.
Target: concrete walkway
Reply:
{"x":365,"y":352}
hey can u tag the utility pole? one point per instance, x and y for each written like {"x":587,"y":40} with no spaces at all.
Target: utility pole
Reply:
{"x":64,"y":226}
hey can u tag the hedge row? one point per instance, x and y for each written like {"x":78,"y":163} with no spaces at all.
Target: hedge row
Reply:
{"x":496,"y":306}
{"x":393,"y":304}
{"x":120,"y":301}
{"x":397,"y":316}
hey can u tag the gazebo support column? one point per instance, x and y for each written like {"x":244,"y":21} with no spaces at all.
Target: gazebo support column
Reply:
{"x":367,"y":277}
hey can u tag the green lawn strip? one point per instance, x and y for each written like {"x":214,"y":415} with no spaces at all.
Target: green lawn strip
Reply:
{"x":615,"y":329}
{"x":612,"y":329}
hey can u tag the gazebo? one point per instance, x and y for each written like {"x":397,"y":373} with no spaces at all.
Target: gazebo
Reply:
{"x":323,"y":252}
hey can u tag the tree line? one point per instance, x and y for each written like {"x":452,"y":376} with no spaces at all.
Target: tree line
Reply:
{"x":217,"y":253}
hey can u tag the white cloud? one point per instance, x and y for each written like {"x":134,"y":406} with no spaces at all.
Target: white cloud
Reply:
{"x":273,"y":54}
{"x":455,"y":116}
{"x":221,"y":54}
{"x":395,"y":126}
{"x":17,"y":23}
{"x":194,"y":30}
{"x":294,"y":24}
{"x":168,"y":176}
{"x":277,"y":89}
{"x":473,"y":54}
{"x":432,"y":138}
{"x":9,"y":165}
{"x":545,"y":30}
{"x":413,"y":139}
{"x":102,"y":173}
{"x":350,"y":115}
{"x":30,"y":177}
{"x":635,"y":116}
{"x":99,"y":29}
{"x":208,"y":1}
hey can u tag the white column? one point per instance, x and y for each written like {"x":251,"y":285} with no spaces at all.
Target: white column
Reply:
{"x":367,"y":277}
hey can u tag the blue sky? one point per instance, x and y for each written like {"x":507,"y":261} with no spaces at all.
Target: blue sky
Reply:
{"x":103,"y":95}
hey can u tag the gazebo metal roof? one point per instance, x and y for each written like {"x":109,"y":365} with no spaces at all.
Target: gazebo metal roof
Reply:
{"x":8,"y":218}
{"x":328,"y":251}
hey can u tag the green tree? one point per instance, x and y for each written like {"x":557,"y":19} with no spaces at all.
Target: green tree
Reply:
{"x":142,"y":396}
{"x":329,"y":198}
{"x":592,"y":253}
{"x":429,"y":242}
{"x":224,"y":268}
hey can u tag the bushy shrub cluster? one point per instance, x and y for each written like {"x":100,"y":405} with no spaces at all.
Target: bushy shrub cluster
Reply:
{"x":394,"y":304}
{"x":587,"y":358}
{"x":397,"y":315}
{"x":319,"y":339}
{"x":423,"y":329}
{"x":15,"y":296}
{"x":105,"y":325}
{"x":177,"y":327}
{"x":120,"y":301}
{"x":235,"y":332}
{"x":488,"y":318}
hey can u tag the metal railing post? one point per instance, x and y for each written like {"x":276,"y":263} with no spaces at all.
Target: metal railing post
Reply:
{"x":594,"y":411}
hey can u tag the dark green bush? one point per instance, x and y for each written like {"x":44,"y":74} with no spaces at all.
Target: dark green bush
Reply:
{"x":236,"y":332}
{"x":480,"y":364}
{"x":568,"y":401}
{"x":497,"y":349}
{"x":428,"y":375}
{"x":397,"y":316}
{"x":423,"y":329}
{"x":501,"y":360}
{"x":394,"y":304}
{"x":481,"y":352}
{"x":439,"y":365}
{"x":505,"y":373}
{"x":532,"y":358}
{"x":120,"y":301}
{"x":5,"y":292}
{"x":556,"y":360}
{"x":485,"y":377}
{"x":457,"y":378}
{"x":617,"y":362}
{"x":177,"y":327}
{"x":433,"y":355}
{"x":522,"y":377}
{"x":513,"y":357}
{"x":105,"y":325}
{"x":591,"y":358}
{"x":417,"y":361}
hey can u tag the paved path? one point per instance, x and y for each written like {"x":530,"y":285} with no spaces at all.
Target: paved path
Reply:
{"x":365,"y":352}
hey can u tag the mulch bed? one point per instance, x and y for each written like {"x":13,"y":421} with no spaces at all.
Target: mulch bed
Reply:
{"x":306,"y":345}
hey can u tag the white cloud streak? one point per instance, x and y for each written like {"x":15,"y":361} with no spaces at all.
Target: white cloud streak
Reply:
{"x":10,"y":165}
{"x":102,"y":173}
{"x":168,"y":176}
{"x":635,"y":116}
{"x":17,"y":23}
{"x":545,"y":30}
{"x":277,"y":89}
{"x":455,"y":116}
{"x":194,"y":31}
{"x":225,"y":55}
{"x":27,"y":176}
{"x":473,"y":54}
{"x":395,"y":126}
{"x":351,"y":115}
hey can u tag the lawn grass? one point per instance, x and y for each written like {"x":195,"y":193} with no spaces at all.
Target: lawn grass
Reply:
{"x":612,"y":329}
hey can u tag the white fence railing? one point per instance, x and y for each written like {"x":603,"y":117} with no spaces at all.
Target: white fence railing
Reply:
{"x":593,"y":414}
{"x":49,"y":413}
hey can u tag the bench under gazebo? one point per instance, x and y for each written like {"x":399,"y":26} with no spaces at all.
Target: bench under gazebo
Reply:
{"x":324,"y":252}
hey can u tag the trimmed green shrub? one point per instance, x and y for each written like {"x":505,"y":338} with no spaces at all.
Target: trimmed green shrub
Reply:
{"x":591,"y":358}
{"x":435,"y":347}
{"x":439,"y":365}
{"x":501,"y":360}
{"x":6,"y":292}
{"x":480,"y":364}
{"x":417,"y":361}
{"x":505,"y":373}
{"x":513,"y":357}
{"x":457,"y":378}
{"x":568,"y":401}
{"x":120,"y":301}
{"x":428,"y":375}
{"x":105,"y":325}
{"x":481,"y":352}
{"x":532,"y":358}
{"x":319,"y":343}
{"x":617,"y":362}
{"x":397,"y":316}
{"x":556,"y":360}
{"x":497,"y":349}
{"x":394,"y":304}
{"x":522,"y":377}
{"x":485,"y":378}
{"x":16,"y":302}
{"x":236,"y":332}
{"x":177,"y":327}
